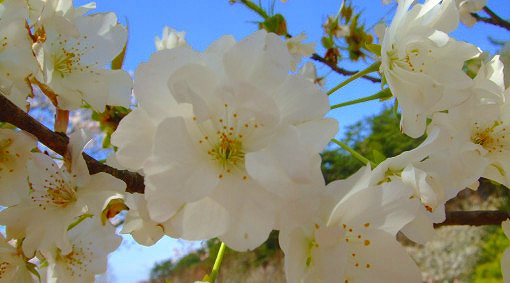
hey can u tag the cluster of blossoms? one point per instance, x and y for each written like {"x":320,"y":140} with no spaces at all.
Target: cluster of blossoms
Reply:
{"x":55,"y":211}
{"x":228,"y":142}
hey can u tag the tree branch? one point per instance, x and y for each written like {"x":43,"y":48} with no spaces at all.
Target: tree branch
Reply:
{"x":494,"y":19}
{"x":340,"y":70}
{"x":10,"y":113}
{"x":474,"y":218}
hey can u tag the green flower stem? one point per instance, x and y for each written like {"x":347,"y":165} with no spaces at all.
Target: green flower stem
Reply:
{"x":372,"y":68}
{"x":256,"y":8}
{"x":217,"y":263}
{"x":78,"y":221}
{"x":354,"y":153}
{"x":385,"y":93}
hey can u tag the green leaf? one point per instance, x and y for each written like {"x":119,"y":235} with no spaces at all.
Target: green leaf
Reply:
{"x":275,"y":24}
{"x":327,"y":42}
{"x":374,"y":48}
{"x":33,"y":269}
{"x":378,"y":156}
{"x":78,"y":220}
{"x":395,"y":108}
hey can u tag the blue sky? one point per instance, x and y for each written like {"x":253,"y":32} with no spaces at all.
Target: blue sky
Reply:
{"x":206,"y":20}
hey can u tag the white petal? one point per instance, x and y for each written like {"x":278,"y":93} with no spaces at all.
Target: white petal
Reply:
{"x":200,"y":220}
{"x":261,"y":57}
{"x":151,"y":78}
{"x":421,"y":229}
{"x":134,"y":138}
{"x":252,"y":212}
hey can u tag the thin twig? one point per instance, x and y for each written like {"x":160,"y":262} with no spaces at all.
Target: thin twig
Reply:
{"x":474,"y":218}
{"x":10,"y":113}
{"x":340,"y":70}
{"x":493,"y":20}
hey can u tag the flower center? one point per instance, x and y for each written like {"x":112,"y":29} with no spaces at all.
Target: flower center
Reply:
{"x":58,"y":193}
{"x":228,"y":151}
{"x":67,"y":54}
{"x":412,"y":61}
{"x":64,"y":62}
{"x":224,"y":140}
{"x":62,"y":196}
{"x":76,"y":262}
{"x":493,"y":138}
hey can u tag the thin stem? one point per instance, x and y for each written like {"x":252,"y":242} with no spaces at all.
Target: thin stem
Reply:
{"x":340,"y":70}
{"x":498,"y":20}
{"x":372,"y":68}
{"x":354,"y":153}
{"x":385,"y":93}
{"x":254,"y":7}
{"x":79,"y":220}
{"x":493,"y":19}
{"x":61,"y":120}
{"x":217,"y":263}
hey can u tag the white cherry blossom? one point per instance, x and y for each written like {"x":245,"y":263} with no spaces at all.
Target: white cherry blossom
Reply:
{"x":298,"y":49}
{"x":15,"y":147}
{"x":41,"y":10}
{"x":505,"y":58}
{"x":138,"y":223}
{"x":351,"y":237}
{"x":13,"y":267}
{"x":427,"y":172}
{"x":170,"y":39}
{"x":73,"y":55}
{"x":310,"y":72}
{"x":466,"y":7}
{"x":230,"y":124}
{"x":479,"y":126}
{"x":91,"y":243}
{"x":422,"y":64}
{"x":58,"y":195}
{"x":17,"y":61}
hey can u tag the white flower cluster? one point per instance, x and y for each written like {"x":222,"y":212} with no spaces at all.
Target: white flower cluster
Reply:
{"x":228,"y":141}
{"x":53,"y":211}
{"x":41,"y":212}
{"x":63,"y":51}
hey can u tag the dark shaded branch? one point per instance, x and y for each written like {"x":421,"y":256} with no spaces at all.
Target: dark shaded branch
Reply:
{"x":474,"y":218}
{"x":10,"y":113}
{"x":494,"y":19}
{"x":340,"y":70}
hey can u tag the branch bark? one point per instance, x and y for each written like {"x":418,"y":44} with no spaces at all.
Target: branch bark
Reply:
{"x":10,"y":113}
{"x":340,"y":70}
{"x":474,"y":218}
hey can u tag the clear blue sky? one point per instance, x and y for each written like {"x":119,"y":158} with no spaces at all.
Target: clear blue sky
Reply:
{"x":206,"y":20}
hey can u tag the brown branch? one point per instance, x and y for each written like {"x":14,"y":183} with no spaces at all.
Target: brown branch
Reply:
{"x":474,"y":218}
{"x":10,"y":113}
{"x":340,"y":70}
{"x":493,"y":20}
